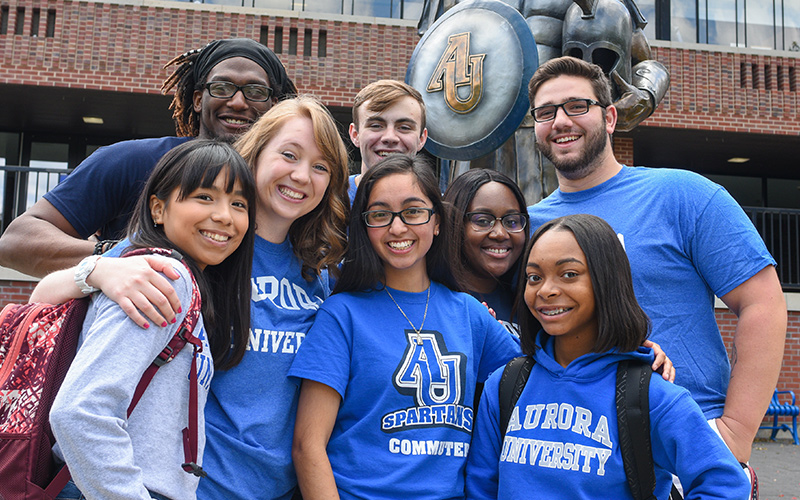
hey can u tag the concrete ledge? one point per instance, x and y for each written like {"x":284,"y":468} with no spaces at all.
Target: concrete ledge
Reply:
{"x":705,"y":47}
{"x":792,"y":302}
{"x":12,"y":275}
{"x":258,"y":11}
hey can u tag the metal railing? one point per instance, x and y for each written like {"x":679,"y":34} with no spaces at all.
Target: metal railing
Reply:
{"x":23,"y":186}
{"x":780,"y":230}
{"x":778,"y":227}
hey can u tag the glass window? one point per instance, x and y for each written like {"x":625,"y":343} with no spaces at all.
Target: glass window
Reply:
{"x":407,"y":9}
{"x":760,"y":25}
{"x":372,"y":8}
{"x":269,"y":4}
{"x":45,"y":155}
{"x":325,"y":6}
{"x":683,"y":17}
{"x":648,"y":9}
{"x":783,"y":193}
{"x":229,"y":2}
{"x":791,"y":25}
{"x":740,"y":24}
{"x":745,"y":190}
{"x":9,"y":148}
{"x":91,"y":148}
{"x":721,"y":22}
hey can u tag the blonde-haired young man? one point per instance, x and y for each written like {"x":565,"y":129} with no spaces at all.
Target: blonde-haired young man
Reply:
{"x":388,"y":117}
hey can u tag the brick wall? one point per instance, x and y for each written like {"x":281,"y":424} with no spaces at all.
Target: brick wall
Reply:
{"x":730,"y":91}
{"x":123,"y":47}
{"x":790,"y":371}
{"x":15,"y":291}
{"x":623,"y":150}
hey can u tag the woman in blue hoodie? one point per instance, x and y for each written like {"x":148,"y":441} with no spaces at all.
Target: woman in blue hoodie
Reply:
{"x":578,"y":319}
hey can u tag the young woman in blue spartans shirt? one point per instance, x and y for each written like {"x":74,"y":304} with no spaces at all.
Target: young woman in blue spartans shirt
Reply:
{"x":578,"y":319}
{"x":390,"y":366}
{"x":200,"y":201}
{"x":300,"y":167}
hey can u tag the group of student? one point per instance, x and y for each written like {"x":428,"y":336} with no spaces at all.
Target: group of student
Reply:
{"x":380,"y":401}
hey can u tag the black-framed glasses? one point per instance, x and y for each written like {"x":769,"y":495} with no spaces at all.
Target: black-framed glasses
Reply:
{"x":411,"y":216}
{"x":251,"y":91}
{"x":483,"y":221}
{"x":573,"y":107}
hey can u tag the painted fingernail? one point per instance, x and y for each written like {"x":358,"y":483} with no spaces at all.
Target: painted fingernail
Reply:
{"x":147,"y":325}
{"x":164,"y":324}
{"x":179,"y":310}
{"x":174,"y":320}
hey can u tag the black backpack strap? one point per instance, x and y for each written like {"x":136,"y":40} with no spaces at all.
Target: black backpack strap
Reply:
{"x":515,"y":376}
{"x":633,"y":419}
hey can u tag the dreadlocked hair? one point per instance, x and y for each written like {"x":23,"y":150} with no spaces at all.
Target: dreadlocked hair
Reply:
{"x":182,"y":79}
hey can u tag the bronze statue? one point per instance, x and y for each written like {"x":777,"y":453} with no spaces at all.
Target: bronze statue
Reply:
{"x":606,"y":32}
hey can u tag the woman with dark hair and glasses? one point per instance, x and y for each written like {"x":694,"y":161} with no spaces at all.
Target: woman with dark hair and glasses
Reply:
{"x":390,"y":366}
{"x":487,"y":214}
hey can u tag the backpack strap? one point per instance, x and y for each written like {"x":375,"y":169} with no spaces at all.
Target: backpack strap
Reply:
{"x":633,"y":419}
{"x":515,"y":376}
{"x":182,"y":336}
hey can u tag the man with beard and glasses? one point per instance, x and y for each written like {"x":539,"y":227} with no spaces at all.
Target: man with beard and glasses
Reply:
{"x":220,"y":90}
{"x":687,"y":240}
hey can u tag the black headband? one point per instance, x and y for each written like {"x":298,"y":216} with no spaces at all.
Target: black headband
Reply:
{"x":219,"y":50}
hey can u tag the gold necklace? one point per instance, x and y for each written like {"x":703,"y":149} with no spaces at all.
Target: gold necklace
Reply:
{"x":424,"y":316}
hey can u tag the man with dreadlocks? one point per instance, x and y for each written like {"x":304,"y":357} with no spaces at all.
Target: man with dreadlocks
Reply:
{"x":220,"y":90}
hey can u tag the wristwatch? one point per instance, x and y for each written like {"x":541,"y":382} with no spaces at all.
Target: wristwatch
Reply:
{"x":83,"y":271}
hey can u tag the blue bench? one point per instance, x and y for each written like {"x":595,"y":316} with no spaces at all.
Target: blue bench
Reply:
{"x":784,"y":409}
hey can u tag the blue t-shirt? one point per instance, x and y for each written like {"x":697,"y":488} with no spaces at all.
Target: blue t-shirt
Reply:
{"x":251,"y":409}
{"x":101,"y":193}
{"x":563,"y":439}
{"x":687,"y":239}
{"x":351,"y":190}
{"x":404,"y":426}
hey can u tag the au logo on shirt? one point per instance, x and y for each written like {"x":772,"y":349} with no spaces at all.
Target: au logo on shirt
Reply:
{"x":435,"y":379}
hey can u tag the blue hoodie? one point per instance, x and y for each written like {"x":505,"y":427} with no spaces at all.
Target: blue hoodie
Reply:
{"x":562,"y":439}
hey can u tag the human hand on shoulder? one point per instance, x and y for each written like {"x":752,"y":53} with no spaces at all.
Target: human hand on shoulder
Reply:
{"x":135,"y":284}
{"x":491,"y":311}
{"x":662,"y":363}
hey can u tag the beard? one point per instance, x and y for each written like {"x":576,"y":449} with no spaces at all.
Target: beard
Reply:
{"x":586,"y":162}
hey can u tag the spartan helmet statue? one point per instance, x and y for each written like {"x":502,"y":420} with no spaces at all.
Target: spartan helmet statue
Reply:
{"x":600,"y":32}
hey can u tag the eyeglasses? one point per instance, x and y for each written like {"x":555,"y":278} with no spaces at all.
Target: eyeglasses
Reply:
{"x":483,"y":222}
{"x":573,"y":107}
{"x":251,"y":91}
{"x":411,"y":216}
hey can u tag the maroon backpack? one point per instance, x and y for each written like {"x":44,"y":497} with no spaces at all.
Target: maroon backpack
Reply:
{"x":37,"y":344}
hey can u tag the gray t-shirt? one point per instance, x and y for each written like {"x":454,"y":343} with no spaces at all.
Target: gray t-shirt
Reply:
{"x":109,"y":455}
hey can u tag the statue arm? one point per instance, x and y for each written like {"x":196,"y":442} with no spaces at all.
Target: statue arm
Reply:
{"x":639,"y":98}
